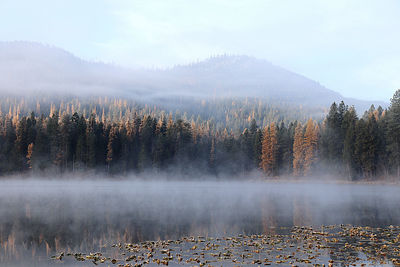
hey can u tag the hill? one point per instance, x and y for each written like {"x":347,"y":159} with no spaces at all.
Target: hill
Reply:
{"x":32,"y":68}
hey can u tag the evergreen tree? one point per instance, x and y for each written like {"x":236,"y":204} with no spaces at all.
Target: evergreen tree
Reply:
{"x":160,"y":154}
{"x":81,"y":144}
{"x":285,"y":148}
{"x":349,"y":158}
{"x":53,"y":133}
{"x":258,"y":138}
{"x":212,"y":157}
{"x":365,"y":147}
{"x":40,"y":158}
{"x":125,"y":140}
{"x":298,"y":151}
{"x":92,"y":142}
{"x":246,"y":144}
{"x":393,"y":133}
{"x":21,"y":145}
{"x":113,"y":149}
{"x":332,"y":140}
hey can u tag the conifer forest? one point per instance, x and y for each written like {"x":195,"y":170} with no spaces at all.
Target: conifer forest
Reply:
{"x":113,"y":136}
{"x":204,"y":133}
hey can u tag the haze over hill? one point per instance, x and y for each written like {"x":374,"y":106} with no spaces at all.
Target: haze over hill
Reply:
{"x":30,"y":68}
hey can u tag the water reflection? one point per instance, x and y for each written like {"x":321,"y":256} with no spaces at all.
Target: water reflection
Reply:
{"x":38,"y":218}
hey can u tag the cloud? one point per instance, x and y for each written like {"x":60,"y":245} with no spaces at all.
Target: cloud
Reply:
{"x":330,"y":41}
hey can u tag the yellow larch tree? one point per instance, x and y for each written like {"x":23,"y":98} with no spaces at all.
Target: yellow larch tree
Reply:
{"x":310,"y":145}
{"x":269,"y":150}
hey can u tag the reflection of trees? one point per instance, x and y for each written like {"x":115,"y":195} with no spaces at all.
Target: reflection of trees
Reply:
{"x":276,"y":212}
{"x":302,"y":210}
{"x":65,"y":227}
{"x":286,"y":211}
{"x":269,"y":211}
{"x":373,"y":211}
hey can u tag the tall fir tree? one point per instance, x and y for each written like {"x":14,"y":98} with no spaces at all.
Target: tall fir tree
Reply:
{"x":393,"y":133}
{"x":298,"y":150}
{"x":349,"y":158}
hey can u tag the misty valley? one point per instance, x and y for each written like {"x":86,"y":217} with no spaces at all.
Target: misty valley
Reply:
{"x":219,"y":181}
{"x":43,"y":218}
{"x":225,"y":161}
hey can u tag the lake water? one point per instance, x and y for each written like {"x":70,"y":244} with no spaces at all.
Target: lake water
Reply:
{"x":39,"y":218}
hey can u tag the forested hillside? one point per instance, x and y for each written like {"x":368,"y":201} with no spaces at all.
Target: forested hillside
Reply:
{"x":30,"y":68}
{"x":223,"y":115}
{"x":118,"y":139}
{"x":218,"y":113}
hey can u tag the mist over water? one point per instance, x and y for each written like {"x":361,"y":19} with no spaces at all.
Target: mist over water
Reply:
{"x":41,"y":217}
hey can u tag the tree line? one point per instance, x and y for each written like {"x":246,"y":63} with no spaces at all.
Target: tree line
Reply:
{"x":342,"y":144}
{"x":233,"y":113}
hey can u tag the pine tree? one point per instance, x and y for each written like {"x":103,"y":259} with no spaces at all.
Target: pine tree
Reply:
{"x":65,"y":140}
{"x":285,"y":149}
{"x":21,"y":145}
{"x":40,"y":157}
{"x":349,"y":158}
{"x":258,"y":138}
{"x":393,"y":133}
{"x":132,"y":139}
{"x":310,"y":145}
{"x":160,"y":156}
{"x":332,"y":139}
{"x":31,"y":128}
{"x":212,"y":157}
{"x":246,"y":144}
{"x":147,"y":129}
{"x":81,"y":143}
{"x":298,"y":151}
{"x":113,"y":148}
{"x":93,"y":143}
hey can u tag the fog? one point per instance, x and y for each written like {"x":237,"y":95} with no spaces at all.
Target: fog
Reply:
{"x":83,"y":215}
{"x":32,"y":68}
{"x":86,"y":212}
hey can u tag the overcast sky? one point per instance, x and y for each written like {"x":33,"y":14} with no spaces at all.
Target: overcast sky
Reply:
{"x":350,"y":46}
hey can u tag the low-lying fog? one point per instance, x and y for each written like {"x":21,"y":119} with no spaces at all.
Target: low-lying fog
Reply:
{"x":49,"y":215}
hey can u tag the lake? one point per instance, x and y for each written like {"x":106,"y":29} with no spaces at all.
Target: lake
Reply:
{"x":39,"y":218}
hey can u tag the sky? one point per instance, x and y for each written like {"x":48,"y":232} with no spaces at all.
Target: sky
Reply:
{"x":350,"y":46}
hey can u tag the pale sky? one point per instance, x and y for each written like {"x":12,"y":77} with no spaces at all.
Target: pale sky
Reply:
{"x":350,"y":46}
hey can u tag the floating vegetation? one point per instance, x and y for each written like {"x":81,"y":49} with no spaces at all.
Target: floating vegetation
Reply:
{"x":297,"y":246}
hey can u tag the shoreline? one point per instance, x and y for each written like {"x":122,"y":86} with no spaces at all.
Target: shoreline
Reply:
{"x":167,"y":177}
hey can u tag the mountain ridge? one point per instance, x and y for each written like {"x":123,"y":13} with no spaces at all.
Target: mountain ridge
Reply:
{"x":30,"y":67}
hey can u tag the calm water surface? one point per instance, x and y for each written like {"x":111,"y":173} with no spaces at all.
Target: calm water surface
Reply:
{"x":40,"y":218}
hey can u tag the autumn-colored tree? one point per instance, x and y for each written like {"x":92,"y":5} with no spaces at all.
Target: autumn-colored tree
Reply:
{"x":93,"y":134}
{"x":265,"y":161}
{"x":298,"y":150}
{"x":269,"y":150}
{"x":310,"y":145}
{"x":29,"y":155}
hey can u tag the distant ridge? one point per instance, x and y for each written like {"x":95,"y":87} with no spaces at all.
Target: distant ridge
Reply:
{"x":29,"y":68}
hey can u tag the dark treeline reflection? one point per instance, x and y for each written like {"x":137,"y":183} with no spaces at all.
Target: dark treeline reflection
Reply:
{"x":38,"y":218}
